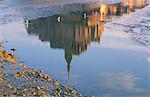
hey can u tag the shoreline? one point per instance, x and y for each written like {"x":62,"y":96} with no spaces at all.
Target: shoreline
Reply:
{"x":16,"y":13}
{"x":135,"y":26}
{"x":16,"y":79}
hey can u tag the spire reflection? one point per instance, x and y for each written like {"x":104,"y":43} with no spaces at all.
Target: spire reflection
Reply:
{"x":73,"y":32}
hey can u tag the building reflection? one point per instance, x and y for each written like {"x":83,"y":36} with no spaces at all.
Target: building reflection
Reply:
{"x":134,"y":4}
{"x":73,"y":32}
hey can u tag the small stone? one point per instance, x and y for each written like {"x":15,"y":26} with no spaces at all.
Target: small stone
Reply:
{"x":23,"y":95}
{"x":9,"y":86}
{"x":46,"y":95}
{"x":73,"y":92}
{"x":1,"y":67}
{"x":13,"y":49}
{"x":38,"y":87}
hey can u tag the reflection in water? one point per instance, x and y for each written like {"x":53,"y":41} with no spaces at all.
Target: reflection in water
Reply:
{"x":73,"y":32}
{"x":132,"y":4}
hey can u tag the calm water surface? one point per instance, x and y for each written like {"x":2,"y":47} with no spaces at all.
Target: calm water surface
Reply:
{"x":75,"y":45}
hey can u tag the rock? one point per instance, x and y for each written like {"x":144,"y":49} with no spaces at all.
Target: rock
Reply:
{"x":13,"y":49}
{"x":1,"y":67}
{"x":73,"y":92}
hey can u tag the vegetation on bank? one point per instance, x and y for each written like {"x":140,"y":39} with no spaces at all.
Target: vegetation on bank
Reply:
{"x":16,"y":79}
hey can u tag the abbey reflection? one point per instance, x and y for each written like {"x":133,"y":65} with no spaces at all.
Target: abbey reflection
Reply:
{"x":73,"y":32}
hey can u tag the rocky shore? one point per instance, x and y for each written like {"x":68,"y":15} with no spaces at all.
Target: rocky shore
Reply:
{"x":16,"y":79}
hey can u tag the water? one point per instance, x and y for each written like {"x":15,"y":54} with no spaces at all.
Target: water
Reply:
{"x":82,"y":45}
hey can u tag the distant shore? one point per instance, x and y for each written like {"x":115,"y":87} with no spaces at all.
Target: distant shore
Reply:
{"x":14,"y":12}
